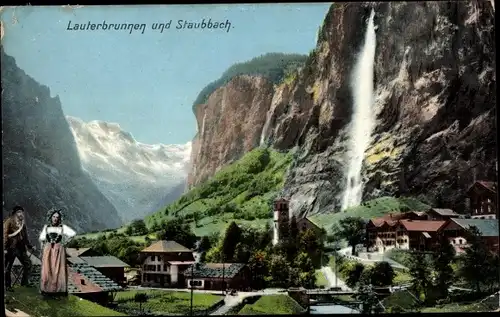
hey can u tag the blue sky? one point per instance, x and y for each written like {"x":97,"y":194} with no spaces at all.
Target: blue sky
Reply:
{"x":148,"y":82}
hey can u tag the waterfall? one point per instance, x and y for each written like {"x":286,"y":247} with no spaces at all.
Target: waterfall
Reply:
{"x":265,"y":128}
{"x":363,"y":119}
{"x":202,"y":133}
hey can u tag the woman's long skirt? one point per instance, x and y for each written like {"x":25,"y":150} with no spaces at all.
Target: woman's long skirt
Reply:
{"x":54,"y":275}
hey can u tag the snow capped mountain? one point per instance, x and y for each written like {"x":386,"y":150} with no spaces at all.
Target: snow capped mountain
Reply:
{"x":137,"y":178}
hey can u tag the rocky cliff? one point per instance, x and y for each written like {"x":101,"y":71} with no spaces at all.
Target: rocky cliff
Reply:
{"x":435,"y":104}
{"x":41,"y":167}
{"x":229,"y":125}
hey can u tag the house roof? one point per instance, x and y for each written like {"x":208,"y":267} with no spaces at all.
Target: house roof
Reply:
{"x":95,"y":281}
{"x":33,"y":258}
{"x":444,"y":212}
{"x":164,"y":246}
{"x":487,"y":227}
{"x":422,"y":225}
{"x":75,"y":252}
{"x":75,"y":260}
{"x":181,"y":262}
{"x":91,"y":276}
{"x":308,"y":220}
{"x":215,"y":270}
{"x":390,"y":218}
{"x":104,"y":261}
{"x":491,"y":186}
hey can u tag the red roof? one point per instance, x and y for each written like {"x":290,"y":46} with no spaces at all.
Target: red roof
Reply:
{"x":390,"y":219}
{"x":87,"y":287}
{"x":491,"y":186}
{"x":422,"y":225}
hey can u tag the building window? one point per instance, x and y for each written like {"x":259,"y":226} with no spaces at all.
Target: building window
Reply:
{"x":165,"y":267}
{"x":194,"y":283}
{"x":459,"y":241}
{"x":153,"y":258}
{"x":158,"y":268}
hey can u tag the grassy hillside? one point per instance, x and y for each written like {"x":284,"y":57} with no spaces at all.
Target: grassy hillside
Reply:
{"x":371,"y":209}
{"x":242,"y":191}
{"x":272,"y":305}
{"x":31,"y":302}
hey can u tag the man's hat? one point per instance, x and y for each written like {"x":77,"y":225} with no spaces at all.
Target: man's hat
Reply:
{"x":16,"y":209}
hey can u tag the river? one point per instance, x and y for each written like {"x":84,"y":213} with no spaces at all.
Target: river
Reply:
{"x":332,"y":309}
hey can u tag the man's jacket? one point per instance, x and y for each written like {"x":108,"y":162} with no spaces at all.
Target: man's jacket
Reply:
{"x":20,"y":240}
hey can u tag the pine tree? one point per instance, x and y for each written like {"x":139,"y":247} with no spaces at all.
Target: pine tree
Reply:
{"x":442,"y":258}
{"x":475,"y":263}
{"x":420,"y":273}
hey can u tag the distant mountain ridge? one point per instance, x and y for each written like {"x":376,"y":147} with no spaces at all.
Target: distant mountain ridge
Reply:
{"x":40,"y":164}
{"x":137,"y":178}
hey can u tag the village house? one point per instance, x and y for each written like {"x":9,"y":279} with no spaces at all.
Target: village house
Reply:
{"x":87,"y":282}
{"x":409,"y":231}
{"x":84,"y":280}
{"x":482,"y":196}
{"x":381,"y":232}
{"x":163,"y":263}
{"x":439,"y":214}
{"x":110,"y":266}
{"x":455,"y":230}
{"x":218,"y":276}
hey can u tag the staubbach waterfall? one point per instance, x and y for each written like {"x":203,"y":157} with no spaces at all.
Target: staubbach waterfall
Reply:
{"x":363,"y":119}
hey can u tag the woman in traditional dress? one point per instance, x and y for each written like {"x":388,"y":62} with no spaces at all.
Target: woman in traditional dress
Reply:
{"x":54,"y":275}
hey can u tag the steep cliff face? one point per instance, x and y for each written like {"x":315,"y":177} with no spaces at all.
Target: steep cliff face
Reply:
{"x":435,"y":105}
{"x":41,"y":167}
{"x":229,"y":125}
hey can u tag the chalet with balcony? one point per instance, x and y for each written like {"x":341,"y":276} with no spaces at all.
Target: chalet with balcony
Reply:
{"x":381,"y":232}
{"x":440,"y":214}
{"x":163,"y":263}
{"x":482,"y":197}
{"x":218,"y":276}
{"x":456,"y":232}
{"x":419,"y":235}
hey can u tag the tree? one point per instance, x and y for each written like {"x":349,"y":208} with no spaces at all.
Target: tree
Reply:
{"x":354,"y":275}
{"x":278,"y":270}
{"x":129,"y":254}
{"x":258,"y":268}
{"x":475,"y":263}
{"x":231,"y":239}
{"x":205,"y":244}
{"x":140,"y":298}
{"x":294,"y":229}
{"x":155,"y":226}
{"x":179,"y":232}
{"x":367,"y":296}
{"x":382,"y":274}
{"x":307,"y":273}
{"x":420,"y":272}
{"x":138,"y":227}
{"x":351,"y":229}
{"x":442,"y":258}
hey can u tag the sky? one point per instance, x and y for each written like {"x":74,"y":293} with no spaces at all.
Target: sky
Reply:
{"x":147,"y":81}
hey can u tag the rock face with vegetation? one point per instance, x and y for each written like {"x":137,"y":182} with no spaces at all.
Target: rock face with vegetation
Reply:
{"x":434,"y":106}
{"x":41,"y":167}
{"x":229,"y":125}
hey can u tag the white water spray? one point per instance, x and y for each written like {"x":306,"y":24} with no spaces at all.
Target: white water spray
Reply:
{"x":265,"y":128}
{"x":363,"y":119}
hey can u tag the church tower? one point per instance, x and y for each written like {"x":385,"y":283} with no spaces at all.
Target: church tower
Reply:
{"x":281,"y":216}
